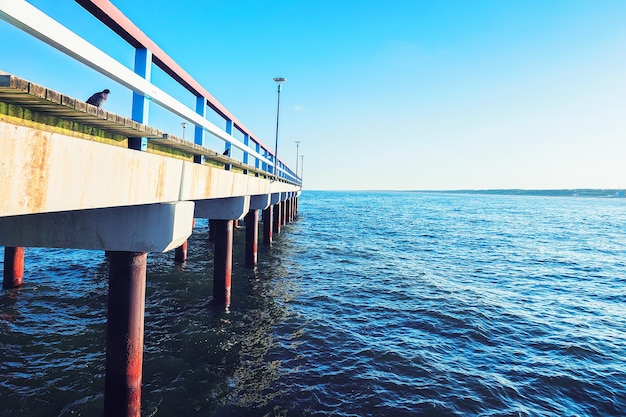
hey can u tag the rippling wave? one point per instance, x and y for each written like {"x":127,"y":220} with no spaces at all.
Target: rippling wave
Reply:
{"x":370,"y":304}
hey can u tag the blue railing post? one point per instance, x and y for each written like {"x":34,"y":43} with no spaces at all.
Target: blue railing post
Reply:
{"x":257,"y":148}
{"x":140,"y":110}
{"x":264,"y":164}
{"x":199,"y":131}
{"x":246,"y":141}
{"x":228,"y":145}
{"x":229,"y":130}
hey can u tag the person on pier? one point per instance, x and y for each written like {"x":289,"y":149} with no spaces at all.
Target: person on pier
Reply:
{"x":98,"y":99}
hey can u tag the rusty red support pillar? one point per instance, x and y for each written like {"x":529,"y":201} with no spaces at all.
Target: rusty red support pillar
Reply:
{"x":222,"y":260}
{"x":13,"y":267}
{"x":125,"y":321}
{"x":295,"y":208}
{"x":294,"y":212}
{"x":286,"y":213}
{"x":277,"y":218}
{"x":268,"y":218}
{"x":180,"y":253}
{"x":252,"y":237}
{"x":211,"y":230}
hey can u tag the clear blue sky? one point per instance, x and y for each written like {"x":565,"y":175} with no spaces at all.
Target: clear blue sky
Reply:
{"x":395,"y":94}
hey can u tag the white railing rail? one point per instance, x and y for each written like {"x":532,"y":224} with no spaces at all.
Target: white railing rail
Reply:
{"x":28,"y":18}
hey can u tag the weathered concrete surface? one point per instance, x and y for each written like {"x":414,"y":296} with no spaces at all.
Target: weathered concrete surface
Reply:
{"x":232,"y":208}
{"x":48,"y":172}
{"x":149,"y":228}
{"x":44,"y":172}
{"x":260,"y":202}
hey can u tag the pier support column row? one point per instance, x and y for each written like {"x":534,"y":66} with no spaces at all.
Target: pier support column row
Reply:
{"x":223,"y":213}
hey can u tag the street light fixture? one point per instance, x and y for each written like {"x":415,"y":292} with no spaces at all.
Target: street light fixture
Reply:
{"x":279,"y":81}
{"x":184,"y":125}
{"x":297,"y":150}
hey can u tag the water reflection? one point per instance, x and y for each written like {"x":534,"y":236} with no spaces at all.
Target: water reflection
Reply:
{"x":198,"y":358}
{"x":202,"y":359}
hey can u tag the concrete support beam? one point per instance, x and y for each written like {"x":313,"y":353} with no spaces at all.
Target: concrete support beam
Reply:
{"x":125,"y":327}
{"x":50,"y":180}
{"x":149,"y":228}
{"x":260,"y":202}
{"x":62,"y":173}
{"x":232,"y":208}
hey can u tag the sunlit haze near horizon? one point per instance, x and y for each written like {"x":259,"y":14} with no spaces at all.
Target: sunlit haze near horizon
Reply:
{"x":408,"y":95}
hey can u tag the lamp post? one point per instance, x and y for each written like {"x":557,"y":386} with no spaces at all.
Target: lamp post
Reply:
{"x":297,"y":150}
{"x":184,"y":125}
{"x":279,"y":81}
{"x":301,"y":167}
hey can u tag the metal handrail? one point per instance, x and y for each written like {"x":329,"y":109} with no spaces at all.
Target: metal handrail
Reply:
{"x":31,"y":20}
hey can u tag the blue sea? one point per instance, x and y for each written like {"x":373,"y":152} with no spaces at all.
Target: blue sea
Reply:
{"x":369,"y":304}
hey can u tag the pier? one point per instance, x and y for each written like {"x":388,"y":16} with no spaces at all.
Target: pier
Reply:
{"x":76,"y":176}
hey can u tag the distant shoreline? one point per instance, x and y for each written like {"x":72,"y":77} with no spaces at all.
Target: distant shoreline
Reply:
{"x":574,"y":192}
{"x":580,"y":192}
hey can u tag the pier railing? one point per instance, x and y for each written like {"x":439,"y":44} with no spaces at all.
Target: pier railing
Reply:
{"x":36,"y":23}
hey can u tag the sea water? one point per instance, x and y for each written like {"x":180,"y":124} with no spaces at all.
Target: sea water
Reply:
{"x":369,"y":304}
